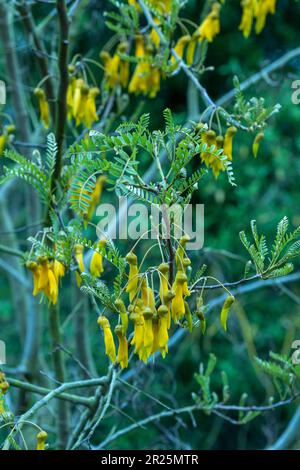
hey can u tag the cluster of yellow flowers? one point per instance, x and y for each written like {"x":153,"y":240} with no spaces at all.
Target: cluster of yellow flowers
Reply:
{"x":96,"y":263}
{"x":4,"y":386}
{"x":4,"y":137}
{"x":46,"y":277}
{"x":81,"y":101}
{"x":211,"y":138}
{"x":151,"y":321}
{"x":255,"y":10}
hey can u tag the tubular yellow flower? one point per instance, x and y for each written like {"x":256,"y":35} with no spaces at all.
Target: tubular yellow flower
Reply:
{"x":70,"y":97}
{"x":256,"y":143}
{"x":263,"y":8}
{"x":210,"y":26}
{"x":44,"y":107}
{"x":247,"y":16}
{"x":163,"y":336}
{"x":178,"y":308}
{"x":155,"y":327}
{"x":179,"y":48}
{"x":163,"y":268}
{"x":51,"y":290}
{"x":90,"y":112}
{"x":208,"y":138}
{"x":154,"y":36}
{"x":58,"y":269}
{"x":147,"y":295}
{"x":78,"y":253}
{"x":191,"y":49}
{"x":122,"y":357}
{"x":96,"y":266}
{"x":168,"y":297}
{"x":123,"y":314}
{"x":230,"y":133}
{"x":41,"y":440}
{"x":138,"y":332}
{"x":34,"y":268}
{"x":225,"y":311}
{"x":133,"y":279}
{"x":124,"y":65}
{"x":216,"y":163}
{"x":84,"y":93}
{"x":148,"y":331}
{"x":180,"y":252}
{"x":111,"y":68}
{"x":110,"y":349}
{"x":43,"y":274}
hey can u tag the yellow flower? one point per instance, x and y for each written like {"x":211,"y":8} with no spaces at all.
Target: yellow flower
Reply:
{"x":225,"y":311}
{"x":216,"y":163}
{"x":133,"y":279}
{"x":41,"y":440}
{"x":154,"y":36}
{"x":96,"y":266}
{"x":34,"y":268}
{"x":58,"y":269}
{"x":168,"y":297}
{"x":90,"y":112}
{"x":147,"y":295}
{"x":43,"y":274}
{"x":122,"y":357}
{"x":178,"y":307}
{"x":110,"y":349}
{"x":51,"y":290}
{"x":179,"y":48}
{"x":208,"y":138}
{"x":123,"y":314}
{"x":78,"y":253}
{"x":70,"y":97}
{"x":135,"y":4}
{"x":230,"y":133}
{"x":191,"y":49}
{"x":180,"y":252}
{"x":256,"y":143}
{"x":148,"y":331}
{"x":163,"y":336}
{"x":163,"y":269}
{"x":138,"y":332}
{"x":247,"y":17}
{"x":124,"y":65}
{"x":210,"y":26}
{"x":111,"y":68}
{"x":263,"y":8}
{"x":44,"y":107}
{"x":155,"y":327}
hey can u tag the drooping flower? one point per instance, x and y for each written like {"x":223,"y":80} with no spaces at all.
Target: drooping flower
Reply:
{"x":110,"y":349}
{"x":46,"y":275}
{"x":247,"y":16}
{"x":163,"y":336}
{"x":180,"y":252}
{"x":163,"y":269}
{"x":58,"y":269}
{"x":230,"y":133}
{"x":167,"y":300}
{"x":44,"y":107}
{"x":263,"y":8}
{"x":111,"y":68}
{"x":210,"y":26}
{"x":70,"y":96}
{"x":256,"y":143}
{"x":147,"y":295}
{"x":41,"y":440}
{"x":191,"y":49}
{"x":179,"y":49}
{"x":216,"y":164}
{"x":225,"y":310}
{"x":148,"y":331}
{"x":122,"y":357}
{"x":90,"y":111}
{"x":78,"y":253}
{"x":123,"y":314}
{"x":138,"y":333}
{"x":178,"y":307}
{"x":96,"y":265}
{"x":208,"y":138}
{"x":124,"y":65}
{"x":133,"y":278}
{"x":51,"y":290}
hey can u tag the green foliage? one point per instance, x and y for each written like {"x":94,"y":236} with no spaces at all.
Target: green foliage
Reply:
{"x":285,"y":248}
